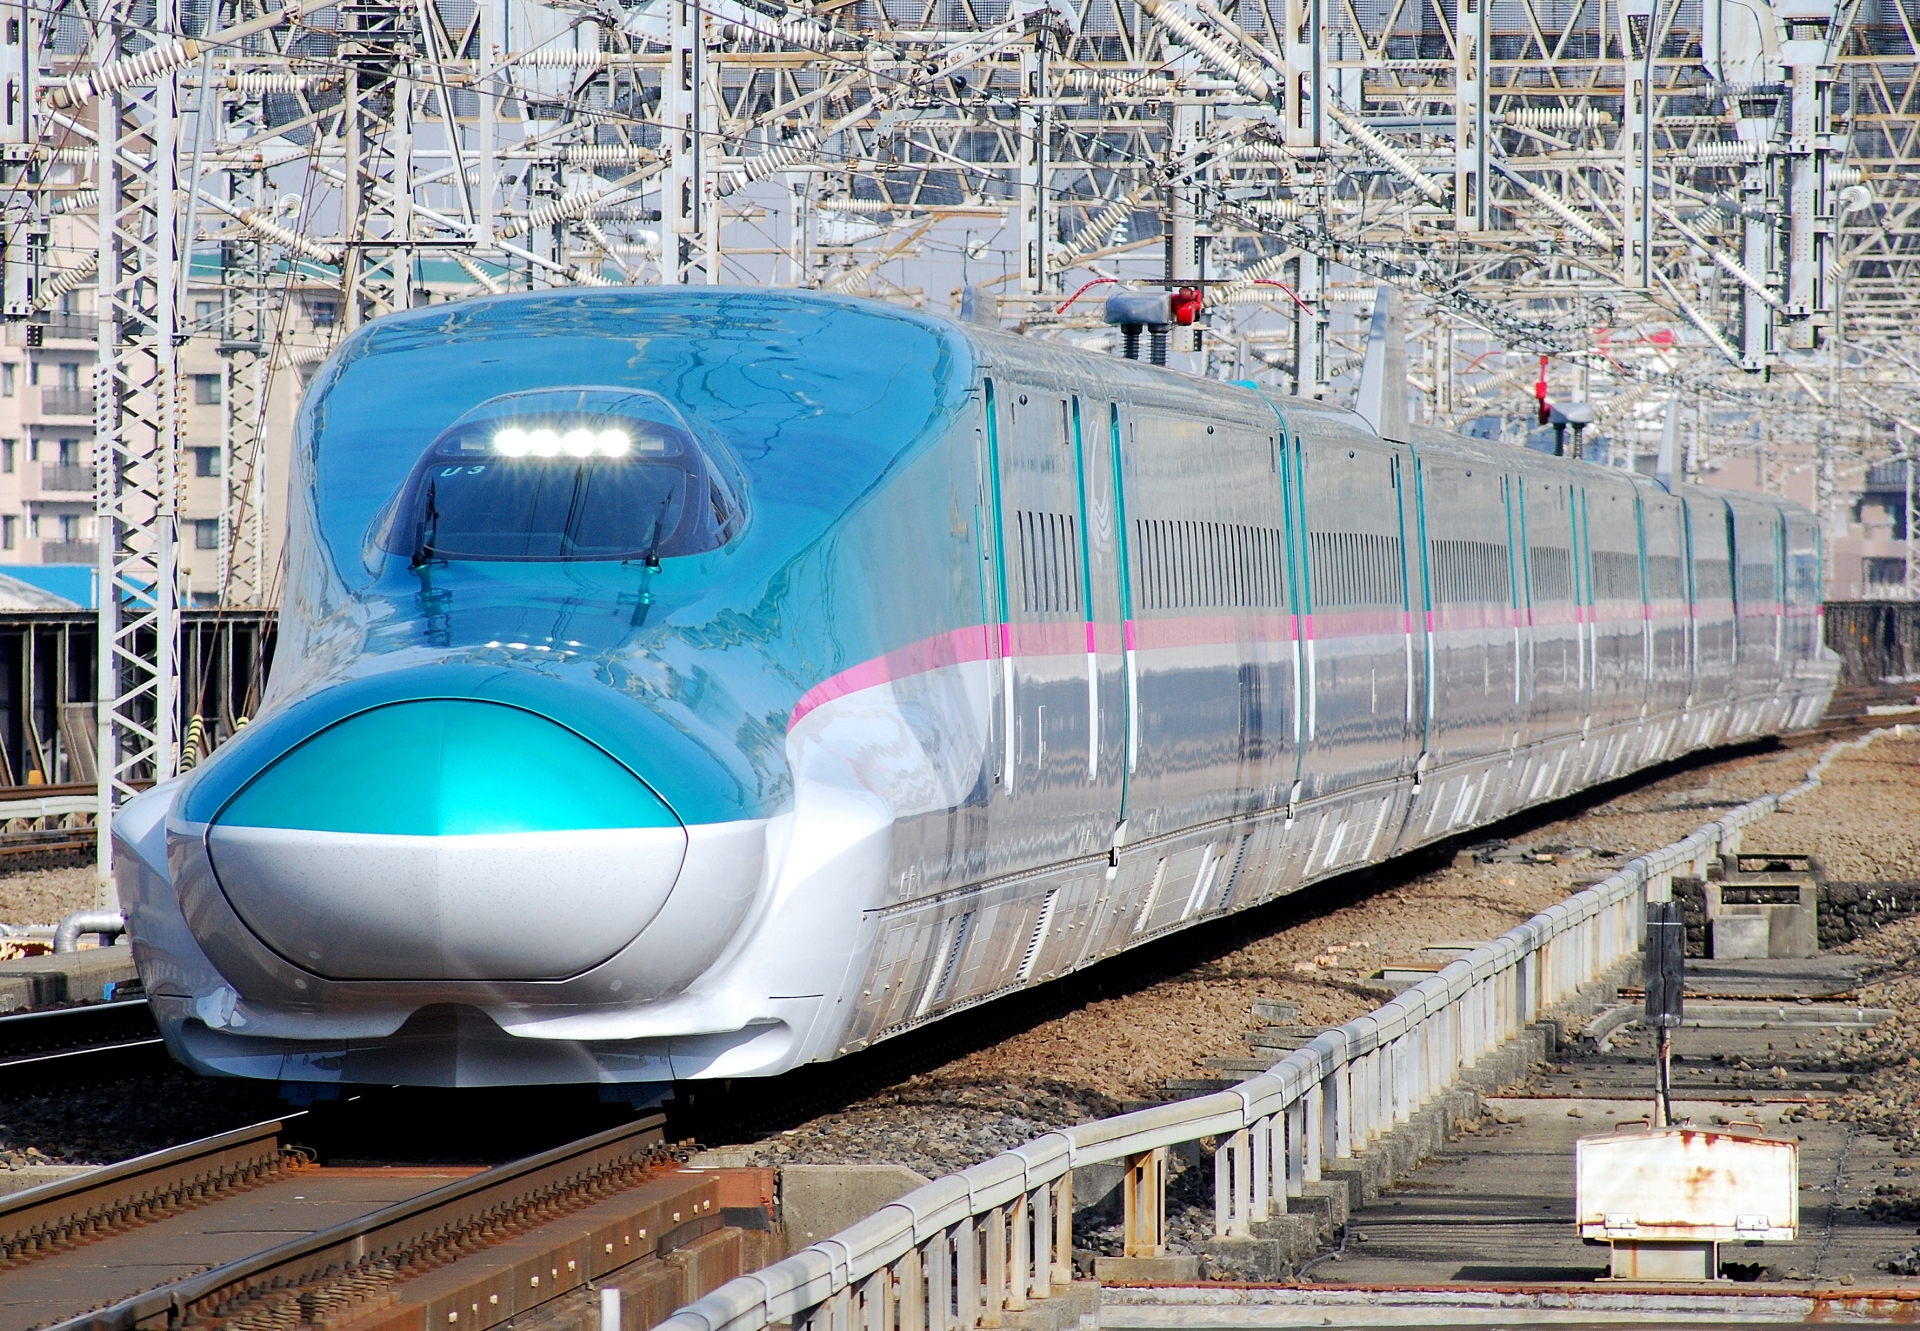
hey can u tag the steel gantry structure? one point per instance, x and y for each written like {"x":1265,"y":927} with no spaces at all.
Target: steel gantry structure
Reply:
{"x":1684,"y":212}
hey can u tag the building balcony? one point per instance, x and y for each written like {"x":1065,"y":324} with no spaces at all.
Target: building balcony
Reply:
{"x":56,"y":476}
{"x":66,"y":402}
{"x":1885,"y":477}
{"x":70,"y":328}
{"x":69,"y":552}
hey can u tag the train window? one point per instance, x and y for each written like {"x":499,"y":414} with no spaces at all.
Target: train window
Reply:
{"x":1756,"y":584}
{"x":1049,"y":562}
{"x":1666,"y":580}
{"x":1803,"y":578}
{"x":1355,"y":568}
{"x":1616,"y":576}
{"x":1551,"y":567}
{"x":566,"y":474}
{"x":1186,"y":565}
{"x":1470,"y":571}
{"x":1712,"y":579}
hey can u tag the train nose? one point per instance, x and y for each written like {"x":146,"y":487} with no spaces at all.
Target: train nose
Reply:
{"x":446,"y":840}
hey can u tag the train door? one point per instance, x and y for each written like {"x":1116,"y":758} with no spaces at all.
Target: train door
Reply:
{"x":1546,"y":559}
{"x":1714,"y":642}
{"x":1096,"y":437}
{"x":1360,"y":695}
{"x":1757,"y":598}
{"x":1470,"y":576}
{"x":1211,"y":663}
{"x":1051,"y":797}
{"x":1669,"y":641}
{"x":1617,"y":612}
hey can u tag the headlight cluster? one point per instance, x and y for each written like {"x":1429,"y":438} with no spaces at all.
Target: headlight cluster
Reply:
{"x":578,"y":443}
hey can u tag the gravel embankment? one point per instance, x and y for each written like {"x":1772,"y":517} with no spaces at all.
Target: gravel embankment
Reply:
{"x":1865,"y":823}
{"x":45,"y":896}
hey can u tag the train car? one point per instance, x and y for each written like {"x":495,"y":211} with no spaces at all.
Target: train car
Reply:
{"x":697,"y":682}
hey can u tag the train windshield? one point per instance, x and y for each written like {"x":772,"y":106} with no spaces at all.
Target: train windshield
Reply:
{"x":565,"y":474}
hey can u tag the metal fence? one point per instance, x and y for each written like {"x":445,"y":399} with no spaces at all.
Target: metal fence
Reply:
{"x":66,"y":477}
{"x":66,"y":402}
{"x":47,"y":679}
{"x":989,"y":1239}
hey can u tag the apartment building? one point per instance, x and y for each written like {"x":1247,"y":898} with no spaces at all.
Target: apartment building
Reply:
{"x":47,"y":459}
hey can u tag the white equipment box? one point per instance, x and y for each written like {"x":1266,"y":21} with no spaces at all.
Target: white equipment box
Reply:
{"x":1666,"y":1198}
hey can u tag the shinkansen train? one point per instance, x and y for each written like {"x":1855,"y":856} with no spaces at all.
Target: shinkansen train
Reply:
{"x":693,"y":683}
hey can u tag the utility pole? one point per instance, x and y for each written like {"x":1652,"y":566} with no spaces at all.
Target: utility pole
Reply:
{"x":136,"y":427}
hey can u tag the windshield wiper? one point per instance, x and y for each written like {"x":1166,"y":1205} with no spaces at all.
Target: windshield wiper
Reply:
{"x":429,"y":527}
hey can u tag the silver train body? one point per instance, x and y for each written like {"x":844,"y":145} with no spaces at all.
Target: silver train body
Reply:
{"x":957,"y":662}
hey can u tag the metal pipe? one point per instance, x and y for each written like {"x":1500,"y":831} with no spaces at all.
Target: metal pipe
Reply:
{"x":106,"y":923}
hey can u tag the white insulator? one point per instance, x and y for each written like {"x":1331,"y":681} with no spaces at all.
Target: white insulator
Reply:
{"x":644,"y":246}
{"x":1259,"y":150}
{"x":479,"y":274}
{"x":74,"y":156}
{"x":561,"y":57}
{"x":284,"y":83}
{"x":1117,"y":83}
{"x":125,"y":72}
{"x":568,"y":206}
{"x":292,"y":240}
{"x":1261,"y":269}
{"x":306,"y":355}
{"x":1278,"y":210}
{"x":1094,"y":235}
{"x":80,"y":201}
{"x":1556,"y":117}
{"x":797,"y":151}
{"x":1842,"y":176}
{"x":609,"y":154}
{"x":867,"y":206}
{"x":1504,"y":379}
{"x":1387,"y":153}
{"x":1584,"y":225}
{"x":1725,"y":154}
{"x":1247,"y":293}
{"x":586,"y":277}
{"x":66,"y":281}
{"x":788,"y":31}
{"x":1245,"y":288}
{"x":1252,"y":81}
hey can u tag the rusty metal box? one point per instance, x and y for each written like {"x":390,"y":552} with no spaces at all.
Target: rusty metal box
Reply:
{"x":1687,"y":1185}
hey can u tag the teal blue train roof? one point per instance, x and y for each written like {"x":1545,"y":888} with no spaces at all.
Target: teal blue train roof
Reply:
{"x":819,"y":401}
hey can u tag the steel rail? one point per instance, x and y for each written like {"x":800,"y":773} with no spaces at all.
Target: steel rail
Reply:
{"x":351,"y":1247}
{"x":50,"y":1029}
{"x":1276,"y":1131}
{"x":91,"y":1037}
{"x":35,"y":1220}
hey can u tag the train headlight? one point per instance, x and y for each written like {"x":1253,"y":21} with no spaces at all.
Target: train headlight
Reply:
{"x":514,"y":442}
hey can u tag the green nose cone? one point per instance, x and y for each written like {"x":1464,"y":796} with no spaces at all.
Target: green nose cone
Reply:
{"x":446,"y":768}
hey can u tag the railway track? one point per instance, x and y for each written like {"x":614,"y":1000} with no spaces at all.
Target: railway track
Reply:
{"x":61,"y":1045}
{"x":244,"y":1230}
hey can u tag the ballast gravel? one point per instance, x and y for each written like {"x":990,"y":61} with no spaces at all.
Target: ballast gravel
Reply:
{"x":46,"y":896}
